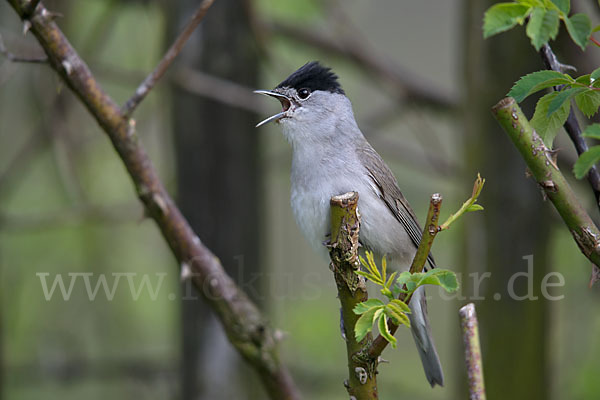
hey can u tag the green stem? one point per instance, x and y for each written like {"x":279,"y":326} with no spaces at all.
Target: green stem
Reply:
{"x":545,"y":171}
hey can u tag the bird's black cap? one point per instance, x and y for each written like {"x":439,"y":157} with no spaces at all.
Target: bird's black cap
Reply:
{"x":313,"y":76}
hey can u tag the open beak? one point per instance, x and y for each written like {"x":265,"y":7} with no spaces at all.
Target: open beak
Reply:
{"x":285,"y":104}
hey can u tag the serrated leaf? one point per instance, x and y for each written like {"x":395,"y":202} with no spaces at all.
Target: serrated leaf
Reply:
{"x":365,"y":306}
{"x":563,"y":5}
{"x":536,"y":81}
{"x":592,"y":131}
{"x":502,"y":17}
{"x":542,"y":26}
{"x":385,"y":332}
{"x":403,"y":306}
{"x":562,"y":96}
{"x":474,"y":207}
{"x":586,"y":161}
{"x":396,"y":315}
{"x":595,"y":74}
{"x":440,"y":277}
{"x":579,"y":28}
{"x":545,"y":126}
{"x":584,"y":79}
{"x":588,"y":102}
{"x":364,"y":324}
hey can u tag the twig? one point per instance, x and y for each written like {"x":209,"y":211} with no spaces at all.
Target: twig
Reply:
{"x":14,"y":58}
{"x":247,"y":329}
{"x":470,"y":332}
{"x":540,"y":161}
{"x":429,"y":233}
{"x":571,"y":125}
{"x":167,"y":59}
{"x":402,"y":81}
{"x":343,"y":251}
{"x":218,"y":89}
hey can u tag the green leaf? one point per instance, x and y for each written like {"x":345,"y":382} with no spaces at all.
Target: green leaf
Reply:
{"x":546,"y":126}
{"x":474,"y":207}
{"x":584,"y":80}
{"x":385,"y":332}
{"x":440,"y":277}
{"x":595,"y":74}
{"x":592,"y":131}
{"x":391,"y":279}
{"x":542,"y":26}
{"x":562,"y":96}
{"x":580,"y":29}
{"x":365,"y":306}
{"x":364,"y":324}
{"x":403,"y":306}
{"x":368,"y":276}
{"x":537,"y":81}
{"x":397,"y":316}
{"x":502,"y":17}
{"x":586,"y":161}
{"x":563,"y":5}
{"x":588,"y":102}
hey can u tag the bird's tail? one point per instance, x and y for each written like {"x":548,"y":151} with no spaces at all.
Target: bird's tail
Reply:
{"x":422,"y":334}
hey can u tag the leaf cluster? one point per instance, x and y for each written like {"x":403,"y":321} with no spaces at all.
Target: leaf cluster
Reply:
{"x":375,"y":311}
{"x":552,"y":109}
{"x":542,"y":17}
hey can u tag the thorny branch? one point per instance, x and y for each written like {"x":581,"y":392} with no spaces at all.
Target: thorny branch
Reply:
{"x":571,"y":125}
{"x":167,"y":59}
{"x":245,"y":326}
{"x":543,"y":168}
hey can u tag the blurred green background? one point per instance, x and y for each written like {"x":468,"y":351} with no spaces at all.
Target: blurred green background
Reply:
{"x":422,"y":81}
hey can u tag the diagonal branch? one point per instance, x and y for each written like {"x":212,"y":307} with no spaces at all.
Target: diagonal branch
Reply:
{"x":167,"y":59}
{"x":429,"y":233}
{"x":571,"y":124}
{"x":245,"y":326}
{"x":543,"y":168}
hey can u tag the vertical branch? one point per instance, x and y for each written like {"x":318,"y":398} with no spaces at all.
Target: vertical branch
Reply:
{"x":470,"y":332}
{"x":343,"y":250}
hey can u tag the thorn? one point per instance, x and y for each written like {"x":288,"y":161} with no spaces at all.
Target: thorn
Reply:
{"x":67,"y":66}
{"x":381,"y":360}
{"x":26,"y":26}
{"x":186,"y":272}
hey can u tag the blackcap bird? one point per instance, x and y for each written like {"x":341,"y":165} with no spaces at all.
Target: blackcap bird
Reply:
{"x":331,"y":157}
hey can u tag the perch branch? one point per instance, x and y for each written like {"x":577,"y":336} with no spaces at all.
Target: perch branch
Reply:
{"x":470,"y":332}
{"x":343,"y":251}
{"x":245,"y":326}
{"x":429,"y":232}
{"x":167,"y":59}
{"x":540,"y":161}
{"x":571,"y":125}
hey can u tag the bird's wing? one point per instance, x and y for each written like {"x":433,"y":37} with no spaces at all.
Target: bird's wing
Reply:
{"x":390,"y":193}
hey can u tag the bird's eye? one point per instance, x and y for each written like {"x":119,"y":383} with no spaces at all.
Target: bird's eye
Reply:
{"x":303,"y":93}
